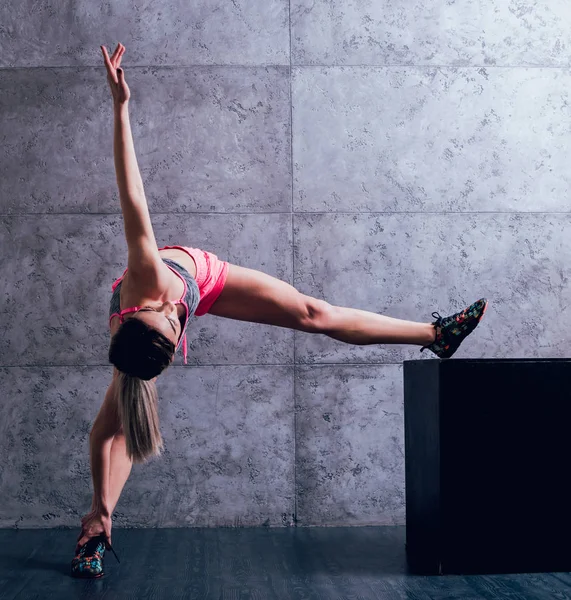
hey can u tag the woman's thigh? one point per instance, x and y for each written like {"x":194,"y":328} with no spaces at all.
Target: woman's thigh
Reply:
{"x":251,"y":295}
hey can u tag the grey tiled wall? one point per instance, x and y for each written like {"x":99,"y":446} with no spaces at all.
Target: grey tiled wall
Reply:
{"x":395,"y":157}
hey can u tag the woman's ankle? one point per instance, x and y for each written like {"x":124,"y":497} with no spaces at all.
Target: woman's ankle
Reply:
{"x":431,"y":334}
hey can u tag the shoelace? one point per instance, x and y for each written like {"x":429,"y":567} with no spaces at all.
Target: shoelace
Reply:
{"x":438,"y":323}
{"x":91,"y":545}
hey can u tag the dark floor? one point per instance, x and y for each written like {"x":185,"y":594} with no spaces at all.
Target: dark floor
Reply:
{"x":357,"y":563}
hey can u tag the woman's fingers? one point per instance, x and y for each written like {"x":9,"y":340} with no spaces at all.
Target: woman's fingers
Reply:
{"x":80,"y":542}
{"x":105,"y":55}
{"x":107,"y":60}
{"x":112,"y":63}
{"x":115,"y":75}
{"x":120,"y":57}
{"x":115,"y":54}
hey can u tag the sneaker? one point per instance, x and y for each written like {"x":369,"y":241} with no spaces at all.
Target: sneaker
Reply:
{"x":88,"y":562}
{"x":454,"y":329}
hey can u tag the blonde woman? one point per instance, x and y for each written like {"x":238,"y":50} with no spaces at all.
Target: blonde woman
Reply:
{"x":150,"y":308}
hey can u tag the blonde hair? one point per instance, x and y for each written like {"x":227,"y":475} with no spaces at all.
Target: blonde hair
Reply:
{"x":137,"y":403}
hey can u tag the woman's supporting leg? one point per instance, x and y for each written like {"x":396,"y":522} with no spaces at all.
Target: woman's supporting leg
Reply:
{"x":251,"y":295}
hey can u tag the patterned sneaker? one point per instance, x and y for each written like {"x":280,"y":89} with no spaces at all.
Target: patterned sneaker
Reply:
{"x":454,"y":329}
{"x":88,"y":562}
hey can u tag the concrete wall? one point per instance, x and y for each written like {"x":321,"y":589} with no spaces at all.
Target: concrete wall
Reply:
{"x":397,"y":157}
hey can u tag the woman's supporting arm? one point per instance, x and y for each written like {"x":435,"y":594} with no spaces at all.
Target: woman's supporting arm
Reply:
{"x":100,"y":453}
{"x":105,"y":426}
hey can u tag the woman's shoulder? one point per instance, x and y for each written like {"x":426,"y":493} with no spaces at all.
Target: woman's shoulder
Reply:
{"x":148,"y":280}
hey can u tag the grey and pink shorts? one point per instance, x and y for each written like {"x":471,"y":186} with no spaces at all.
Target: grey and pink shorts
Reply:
{"x":211,"y":274}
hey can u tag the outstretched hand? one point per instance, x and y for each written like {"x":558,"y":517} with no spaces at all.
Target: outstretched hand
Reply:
{"x":115,"y":75}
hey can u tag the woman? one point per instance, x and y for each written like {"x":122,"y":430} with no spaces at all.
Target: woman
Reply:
{"x":160,"y":289}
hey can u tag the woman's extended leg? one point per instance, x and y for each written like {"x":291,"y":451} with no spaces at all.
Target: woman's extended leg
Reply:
{"x":251,"y":295}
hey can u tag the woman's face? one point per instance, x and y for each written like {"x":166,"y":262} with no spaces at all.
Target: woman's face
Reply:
{"x":163,"y":317}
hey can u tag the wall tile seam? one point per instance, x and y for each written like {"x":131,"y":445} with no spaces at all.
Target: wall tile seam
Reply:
{"x":117,"y":214}
{"x":304,"y":212}
{"x":296,"y":65}
{"x":294,"y":520}
{"x":427,"y":66}
{"x":129,"y":67}
{"x":217,"y":365}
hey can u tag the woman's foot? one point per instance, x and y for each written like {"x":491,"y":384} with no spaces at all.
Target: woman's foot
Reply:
{"x":88,"y":562}
{"x":451,"y":331}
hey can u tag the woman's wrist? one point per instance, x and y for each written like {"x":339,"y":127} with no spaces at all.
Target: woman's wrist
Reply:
{"x":102,"y":508}
{"x":121,"y":107}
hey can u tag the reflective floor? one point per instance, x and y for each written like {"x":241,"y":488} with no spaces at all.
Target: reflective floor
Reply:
{"x":357,"y":563}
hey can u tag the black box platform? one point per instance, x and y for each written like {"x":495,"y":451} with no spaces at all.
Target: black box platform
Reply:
{"x":488,"y":465}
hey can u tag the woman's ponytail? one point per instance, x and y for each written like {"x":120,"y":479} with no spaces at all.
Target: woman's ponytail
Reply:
{"x":139,"y":353}
{"x":137,"y":402}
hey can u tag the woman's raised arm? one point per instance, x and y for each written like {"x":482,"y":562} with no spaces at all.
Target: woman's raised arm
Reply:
{"x":143,"y":252}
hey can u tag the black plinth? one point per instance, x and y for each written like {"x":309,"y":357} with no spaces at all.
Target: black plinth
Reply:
{"x":488,"y":465}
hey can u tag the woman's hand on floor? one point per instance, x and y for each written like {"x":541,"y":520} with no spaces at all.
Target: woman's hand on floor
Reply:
{"x":115,"y":75}
{"x":93,"y":524}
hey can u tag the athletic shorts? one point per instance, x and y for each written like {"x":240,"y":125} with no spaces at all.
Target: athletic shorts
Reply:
{"x":211,"y":274}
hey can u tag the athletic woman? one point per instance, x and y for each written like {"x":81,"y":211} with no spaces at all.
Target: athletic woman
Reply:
{"x":150,"y":308}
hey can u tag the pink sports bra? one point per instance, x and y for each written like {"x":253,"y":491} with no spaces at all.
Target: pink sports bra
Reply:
{"x":189,"y":299}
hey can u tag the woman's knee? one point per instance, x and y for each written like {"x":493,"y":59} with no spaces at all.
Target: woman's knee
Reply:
{"x":317,"y":316}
